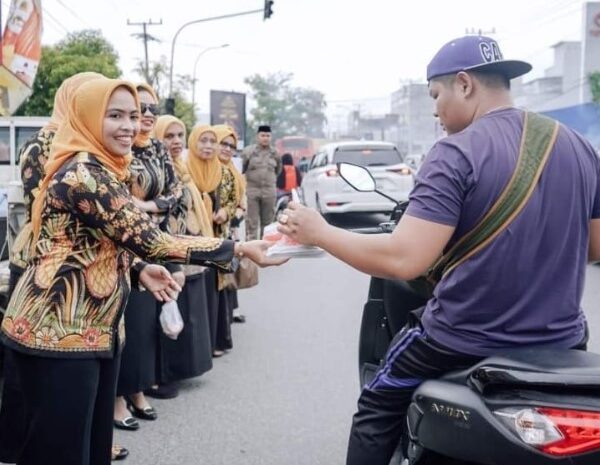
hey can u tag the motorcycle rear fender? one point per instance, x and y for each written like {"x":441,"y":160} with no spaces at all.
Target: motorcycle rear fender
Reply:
{"x":454,"y":421}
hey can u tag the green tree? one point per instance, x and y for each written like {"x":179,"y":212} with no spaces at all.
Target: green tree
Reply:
{"x":288,"y":109}
{"x":595,"y":86}
{"x":80,"y":51}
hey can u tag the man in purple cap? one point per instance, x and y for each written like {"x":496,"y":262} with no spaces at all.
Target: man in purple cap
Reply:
{"x":523,"y":289}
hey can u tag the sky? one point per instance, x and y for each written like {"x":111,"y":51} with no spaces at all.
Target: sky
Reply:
{"x":355,"y":51}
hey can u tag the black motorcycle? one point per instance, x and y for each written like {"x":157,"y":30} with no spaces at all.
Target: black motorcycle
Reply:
{"x":520,"y":407}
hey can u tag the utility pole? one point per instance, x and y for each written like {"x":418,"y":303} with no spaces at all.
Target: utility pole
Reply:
{"x":145,"y":37}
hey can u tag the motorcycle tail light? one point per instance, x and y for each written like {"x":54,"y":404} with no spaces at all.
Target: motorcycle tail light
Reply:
{"x":331,"y":173}
{"x":555,"y":431}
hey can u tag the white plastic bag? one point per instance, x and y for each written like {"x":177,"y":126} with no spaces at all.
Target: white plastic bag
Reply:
{"x":170,"y":319}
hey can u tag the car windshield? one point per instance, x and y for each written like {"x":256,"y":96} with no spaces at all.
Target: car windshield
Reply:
{"x":368,"y":156}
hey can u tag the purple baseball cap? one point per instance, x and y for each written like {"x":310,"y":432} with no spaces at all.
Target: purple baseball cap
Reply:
{"x":471,"y":53}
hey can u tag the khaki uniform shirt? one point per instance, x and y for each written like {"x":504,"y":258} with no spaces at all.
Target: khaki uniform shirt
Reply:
{"x":261,"y":167}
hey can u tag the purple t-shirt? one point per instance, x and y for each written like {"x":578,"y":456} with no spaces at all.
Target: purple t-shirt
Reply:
{"x":525,"y":287}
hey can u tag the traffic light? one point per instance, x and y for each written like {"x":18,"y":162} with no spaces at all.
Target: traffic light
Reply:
{"x":268,"y":9}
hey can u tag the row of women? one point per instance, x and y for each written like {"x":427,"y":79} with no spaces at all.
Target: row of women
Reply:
{"x":106,"y":206}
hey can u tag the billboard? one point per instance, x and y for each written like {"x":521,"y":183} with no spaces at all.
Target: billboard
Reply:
{"x":229,"y":108}
{"x":21,"y":53}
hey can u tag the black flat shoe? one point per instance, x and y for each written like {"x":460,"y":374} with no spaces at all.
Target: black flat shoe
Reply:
{"x":239,"y":318}
{"x":164,"y":391}
{"x":147,"y":413}
{"x":128,"y":424}
{"x":118,"y":453}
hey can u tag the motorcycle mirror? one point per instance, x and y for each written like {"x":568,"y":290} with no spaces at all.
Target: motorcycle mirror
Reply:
{"x":358,"y":177}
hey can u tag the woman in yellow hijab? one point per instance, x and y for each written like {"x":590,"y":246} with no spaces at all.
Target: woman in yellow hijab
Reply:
{"x":157,"y":191}
{"x":33,"y":155}
{"x":190,"y":355}
{"x":227,"y":140}
{"x":195,"y":219}
{"x":217,"y":186}
{"x":63,"y":319}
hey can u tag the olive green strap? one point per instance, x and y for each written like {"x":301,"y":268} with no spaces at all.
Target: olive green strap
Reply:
{"x":539,"y":135}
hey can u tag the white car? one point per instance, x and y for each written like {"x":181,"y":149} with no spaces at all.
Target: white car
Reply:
{"x":323,"y":189}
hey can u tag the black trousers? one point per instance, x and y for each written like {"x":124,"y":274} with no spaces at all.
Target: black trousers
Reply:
{"x":381,"y":417}
{"x":70,"y":404}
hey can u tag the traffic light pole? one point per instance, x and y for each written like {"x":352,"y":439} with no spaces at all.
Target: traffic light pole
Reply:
{"x":170,"y":103}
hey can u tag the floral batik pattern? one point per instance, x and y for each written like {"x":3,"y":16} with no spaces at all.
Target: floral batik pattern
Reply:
{"x":33,"y":155}
{"x":71,"y":297}
{"x":153,"y":178}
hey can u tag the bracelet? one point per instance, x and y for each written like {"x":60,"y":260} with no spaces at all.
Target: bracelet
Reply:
{"x":240,"y":253}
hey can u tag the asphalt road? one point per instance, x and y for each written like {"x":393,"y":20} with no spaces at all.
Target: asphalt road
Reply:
{"x":286,"y":393}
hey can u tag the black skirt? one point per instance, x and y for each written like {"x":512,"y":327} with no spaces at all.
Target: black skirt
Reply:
{"x":224,"y":317}
{"x":190,"y":354}
{"x":212,"y":301}
{"x":138,"y":361}
{"x":232,"y":301}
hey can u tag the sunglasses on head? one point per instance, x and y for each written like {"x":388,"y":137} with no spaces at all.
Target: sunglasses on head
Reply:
{"x":227,"y":144}
{"x":152,"y":107}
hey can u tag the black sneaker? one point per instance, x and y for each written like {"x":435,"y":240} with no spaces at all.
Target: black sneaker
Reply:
{"x":239,"y":319}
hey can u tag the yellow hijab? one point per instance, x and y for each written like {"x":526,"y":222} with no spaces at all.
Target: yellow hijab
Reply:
{"x":223,"y":131}
{"x":63,"y":94}
{"x":143,"y":139}
{"x":206,"y":174}
{"x":82,"y":132}
{"x":199,"y":214}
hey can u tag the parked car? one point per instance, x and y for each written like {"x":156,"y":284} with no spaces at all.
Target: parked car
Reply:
{"x":323,"y":189}
{"x":414,"y":160}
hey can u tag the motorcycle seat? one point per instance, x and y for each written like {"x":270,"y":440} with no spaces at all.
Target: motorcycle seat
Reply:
{"x":533,"y":368}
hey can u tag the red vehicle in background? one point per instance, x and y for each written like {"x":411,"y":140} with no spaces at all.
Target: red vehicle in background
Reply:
{"x":298,"y":146}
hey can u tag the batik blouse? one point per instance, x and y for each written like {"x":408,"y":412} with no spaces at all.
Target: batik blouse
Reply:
{"x":33,"y":156}
{"x":227,"y":199}
{"x":153,"y":178}
{"x":70,"y":300}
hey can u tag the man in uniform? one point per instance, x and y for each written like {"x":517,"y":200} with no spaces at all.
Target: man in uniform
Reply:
{"x":261,"y":165}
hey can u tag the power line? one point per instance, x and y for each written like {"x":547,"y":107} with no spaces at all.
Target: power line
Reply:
{"x":57,"y":22}
{"x":70,"y":10}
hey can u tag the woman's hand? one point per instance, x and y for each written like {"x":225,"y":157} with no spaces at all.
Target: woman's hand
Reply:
{"x":179,"y":277}
{"x":257,"y":252}
{"x":305,"y":225}
{"x":220,"y":216}
{"x":158,"y":280}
